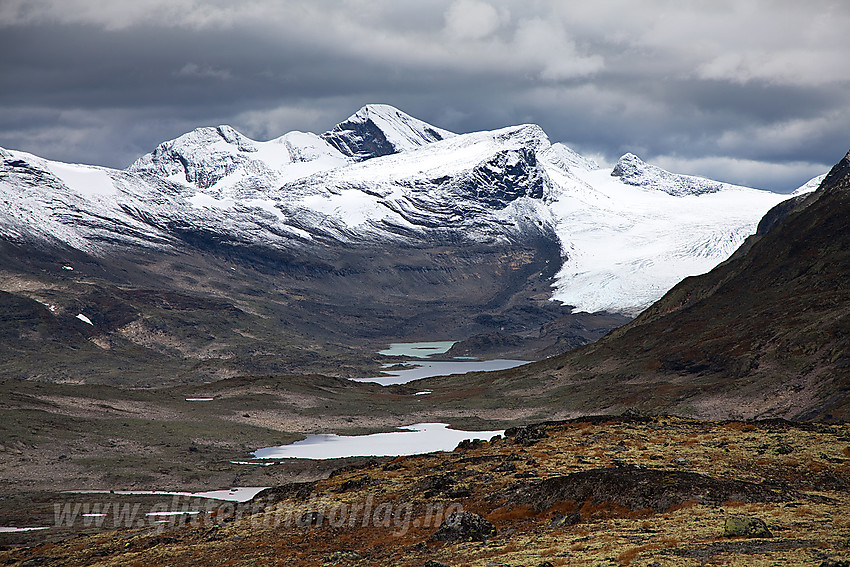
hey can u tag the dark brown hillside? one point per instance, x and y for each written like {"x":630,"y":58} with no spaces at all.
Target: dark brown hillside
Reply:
{"x":766,"y":333}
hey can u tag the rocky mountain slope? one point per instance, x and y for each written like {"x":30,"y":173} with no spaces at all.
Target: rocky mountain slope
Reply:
{"x":764,"y":334}
{"x":382,"y":229}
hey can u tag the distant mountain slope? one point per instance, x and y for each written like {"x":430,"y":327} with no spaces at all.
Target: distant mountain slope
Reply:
{"x":383,"y":229}
{"x":625,"y":238}
{"x":765,"y":334}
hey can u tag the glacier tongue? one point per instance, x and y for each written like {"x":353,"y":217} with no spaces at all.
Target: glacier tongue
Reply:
{"x":625,"y":246}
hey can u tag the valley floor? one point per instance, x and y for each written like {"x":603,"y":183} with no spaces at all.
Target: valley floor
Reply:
{"x":590,"y":491}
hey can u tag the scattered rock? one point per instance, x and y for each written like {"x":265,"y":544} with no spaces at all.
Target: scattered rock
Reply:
{"x":459,"y":492}
{"x":836,"y":563}
{"x":310,"y":519}
{"x":432,"y":563}
{"x":741,"y":526}
{"x":435,"y":484}
{"x":357,"y":483}
{"x":463,"y":526}
{"x":299,"y":490}
{"x":784,"y":449}
{"x":546,"y":564}
{"x":506,"y":466}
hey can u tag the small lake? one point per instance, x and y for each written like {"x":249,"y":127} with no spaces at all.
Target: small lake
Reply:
{"x":418,"y":350}
{"x":419,"y":370}
{"x":410,"y":440}
{"x":236,"y":494}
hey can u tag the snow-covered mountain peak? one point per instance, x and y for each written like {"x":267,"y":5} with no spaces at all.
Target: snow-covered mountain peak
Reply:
{"x":220,"y":136}
{"x":379,"y":130}
{"x":634,"y":171}
{"x":234,"y":138}
{"x":531,"y":136}
{"x":568,"y":159}
{"x":223,"y":159}
{"x":200,"y":157}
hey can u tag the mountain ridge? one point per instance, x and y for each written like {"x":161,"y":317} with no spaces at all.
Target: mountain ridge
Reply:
{"x":296,"y":188}
{"x":471,"y":234}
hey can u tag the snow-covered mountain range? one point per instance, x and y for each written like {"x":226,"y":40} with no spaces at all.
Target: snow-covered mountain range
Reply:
{"x":382,"y":177}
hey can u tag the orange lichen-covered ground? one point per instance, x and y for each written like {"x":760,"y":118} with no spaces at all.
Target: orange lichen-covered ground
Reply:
{"x":600,"y":491}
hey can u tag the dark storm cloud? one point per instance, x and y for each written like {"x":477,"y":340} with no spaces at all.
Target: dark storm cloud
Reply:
{"x":748,"y":91}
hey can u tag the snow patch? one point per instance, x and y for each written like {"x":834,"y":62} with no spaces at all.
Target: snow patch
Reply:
{"x":350,"y":206}
{"x":204,"y":201}
{"x":84,"y":180}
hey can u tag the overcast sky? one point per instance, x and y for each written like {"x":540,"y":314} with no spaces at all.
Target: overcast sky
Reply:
{"x":751,"y":92}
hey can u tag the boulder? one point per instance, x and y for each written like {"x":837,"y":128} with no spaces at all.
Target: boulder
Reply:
{"x":742,"y":526}
{"x":463,"y":526}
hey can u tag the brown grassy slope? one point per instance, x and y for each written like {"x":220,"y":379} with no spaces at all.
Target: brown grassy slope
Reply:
{"x":591,"y":492}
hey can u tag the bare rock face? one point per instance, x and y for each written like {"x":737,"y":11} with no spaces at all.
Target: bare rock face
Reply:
{"x":379,"y":130}
{"x":505,"y":177}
